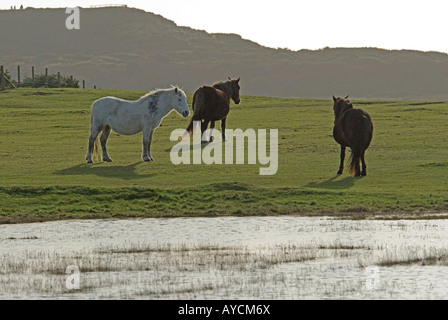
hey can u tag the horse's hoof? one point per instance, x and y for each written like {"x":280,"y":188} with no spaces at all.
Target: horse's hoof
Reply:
{"x":339,"y":172}
{"x":89,"y":161}
{"x":107,"y":160}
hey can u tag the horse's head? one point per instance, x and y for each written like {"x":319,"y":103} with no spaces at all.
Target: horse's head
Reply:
{"x":340,"y":106}
{"x":235,"y":84}
{"x":179,"y":102}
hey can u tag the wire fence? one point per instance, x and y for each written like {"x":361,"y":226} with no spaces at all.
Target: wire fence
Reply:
{"x":15,"y":78}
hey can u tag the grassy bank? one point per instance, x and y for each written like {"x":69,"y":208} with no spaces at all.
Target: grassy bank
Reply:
{"x":43,"y":175}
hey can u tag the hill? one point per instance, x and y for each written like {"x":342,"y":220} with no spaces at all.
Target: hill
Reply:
{"x":127,"y":48}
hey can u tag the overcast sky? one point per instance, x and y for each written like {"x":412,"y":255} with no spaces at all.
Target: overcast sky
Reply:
{"x":311,"y":24}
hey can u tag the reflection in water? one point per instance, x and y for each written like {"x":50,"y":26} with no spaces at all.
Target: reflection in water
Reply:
{"x":226,"y":258}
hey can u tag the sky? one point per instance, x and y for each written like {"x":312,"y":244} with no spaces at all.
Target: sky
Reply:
{"x":299,"y":24}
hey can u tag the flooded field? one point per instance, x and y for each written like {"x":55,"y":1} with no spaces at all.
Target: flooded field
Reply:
{"x":225,"y":258}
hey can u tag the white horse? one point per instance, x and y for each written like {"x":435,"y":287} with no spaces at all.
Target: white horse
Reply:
{"x":131,"y":117}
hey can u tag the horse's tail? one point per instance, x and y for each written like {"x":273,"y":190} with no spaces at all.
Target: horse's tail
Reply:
{"x":198,"y":107}
{"x":361,"y":143}
{"x":96,"y":147}
{"x":96,"y":144}
{"x":355,"y":158}
{"x":190,"y":127}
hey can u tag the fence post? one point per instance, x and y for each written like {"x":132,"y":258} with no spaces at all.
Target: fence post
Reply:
{"x":83,"y":84}
{"x":2,"y":79}
{"x":46,"y":77}
{"x":59,"y":79}
{"x":32,"y":75}
{"x":18,"y":75}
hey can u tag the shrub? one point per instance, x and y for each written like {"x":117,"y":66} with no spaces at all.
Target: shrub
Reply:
{"x":52,"y":81}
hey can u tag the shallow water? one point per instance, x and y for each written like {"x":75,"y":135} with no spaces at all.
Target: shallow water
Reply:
{"x":226,"y":258}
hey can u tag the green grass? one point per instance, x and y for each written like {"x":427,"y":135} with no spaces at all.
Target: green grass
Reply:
{"x":43,"y":174}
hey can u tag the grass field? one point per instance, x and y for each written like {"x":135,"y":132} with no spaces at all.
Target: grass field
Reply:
{"x":43,"y":174}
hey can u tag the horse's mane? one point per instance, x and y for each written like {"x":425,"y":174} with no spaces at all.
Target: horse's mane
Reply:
{"x":156,"y":93}
{"x":226,"y":87}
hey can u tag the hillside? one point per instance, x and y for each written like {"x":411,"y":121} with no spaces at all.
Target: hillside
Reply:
{"x":126,"y":48}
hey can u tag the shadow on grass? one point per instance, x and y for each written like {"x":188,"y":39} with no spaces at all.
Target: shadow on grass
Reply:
{"x":334,"y":183}
{"x":192,"y":146}
{"x":104,"y":170}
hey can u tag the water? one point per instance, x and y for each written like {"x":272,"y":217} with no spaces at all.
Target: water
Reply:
{"x":225,"y":258}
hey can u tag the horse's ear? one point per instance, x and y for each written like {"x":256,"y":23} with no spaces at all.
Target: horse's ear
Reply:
{"x":229,"y":78}
{"x":176,"y":90}
{"x":334,"y":99}
{"x":238,"y":80}
{"x":347,"y":97}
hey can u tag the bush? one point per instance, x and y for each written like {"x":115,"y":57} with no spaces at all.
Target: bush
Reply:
{"x":51,"y":81}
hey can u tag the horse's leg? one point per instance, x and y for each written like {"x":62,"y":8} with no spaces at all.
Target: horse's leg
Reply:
{"x":147,"y":139}
{"x":103,"y":140}
{"x":223,"y":128}
{"x":364,"y":166}
{"x":203,"y":128}
{"x":341,"y":166}
{"x":94,"y":132}
{"x":212,"y":126}
{"x":151,"y":133}
{"x":145,"y":155}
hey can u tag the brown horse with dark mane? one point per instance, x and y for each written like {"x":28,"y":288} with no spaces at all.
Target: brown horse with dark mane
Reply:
{"x":211,"y":104}
{"x":353,"y":128}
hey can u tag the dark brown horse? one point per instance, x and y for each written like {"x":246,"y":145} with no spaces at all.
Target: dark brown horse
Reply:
{"x":353,"y":128}
{"x":211,"y":104}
